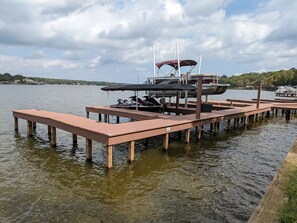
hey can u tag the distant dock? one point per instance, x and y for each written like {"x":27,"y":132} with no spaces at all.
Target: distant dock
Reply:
{"x":147,"y":124}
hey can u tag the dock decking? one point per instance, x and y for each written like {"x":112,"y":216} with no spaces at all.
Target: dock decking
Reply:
{"x":147,"y":124}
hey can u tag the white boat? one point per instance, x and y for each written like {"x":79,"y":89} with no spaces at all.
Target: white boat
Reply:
{"x":286,"y":91}
{"x":210,"y":85}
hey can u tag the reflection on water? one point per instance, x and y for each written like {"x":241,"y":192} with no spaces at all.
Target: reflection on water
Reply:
{"x":220,"y":179}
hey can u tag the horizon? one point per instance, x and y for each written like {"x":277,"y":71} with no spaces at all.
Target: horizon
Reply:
{"x":113,"y":41}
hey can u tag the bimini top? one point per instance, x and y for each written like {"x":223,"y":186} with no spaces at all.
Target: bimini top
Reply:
{"x":174,"y":63}
{"x":149,"y":87}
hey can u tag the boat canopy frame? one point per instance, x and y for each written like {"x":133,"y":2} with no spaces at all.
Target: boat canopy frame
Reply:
{"x":175,"y":64}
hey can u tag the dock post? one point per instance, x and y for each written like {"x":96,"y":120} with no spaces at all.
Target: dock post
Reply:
{"x":49,"y":131}
{"x":108,"y":156}
{"x":74,"y":139}
{"x":234,"y":123}
{"x":259,"y":94}
{"x":199,"y":94}
{"x":211,"y":127}
{"x":288,"y":113}
{"x":88,"y":150}
{"x":34,"y":126}
{"x":88,"y":114}
{"x":118,"y":119}
{"x":53,"y":136}
{"x":251,"y":118}
{"x":29,"y":128}
{"x":165,"y":141}
{"x":244,"y":121}
{"x":105,"y":118}
{"x":268,"y":114}
{"x":16,"y":124}
{"x":99,"y":117}
{"x":188,"y":133}
{"x":228,"y":125}
{"x":257,"y":117}
{"x":198,"y":132}
{"x":177,"y":101}
{"x":131,"y":148}
{"x":179,"y":135}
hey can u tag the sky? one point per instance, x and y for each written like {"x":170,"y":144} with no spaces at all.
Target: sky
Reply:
{"x":113,"y":40}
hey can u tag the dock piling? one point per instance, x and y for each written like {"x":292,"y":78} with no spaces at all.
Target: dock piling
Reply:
{"x":188,"y":133}
{"x":49,"y":131}
{"x":228,"y":125}
{"x":198,"y":132}
{"x":34,"y":126}
{"x":74,"y":139}
{"x":53,"y":136}
{"x":131,"y":148}
{"x":199,"y":94}
{"x":16,"y":124}
{"x":30,"y":128}
{"x":166,"y":141}
{"x":109,"y":156}
{"x":88,"y":150}
{"x":259,"y":94}
{"x":288,"y":113}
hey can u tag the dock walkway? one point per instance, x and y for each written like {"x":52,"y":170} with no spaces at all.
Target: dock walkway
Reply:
{"x":148,"y":124}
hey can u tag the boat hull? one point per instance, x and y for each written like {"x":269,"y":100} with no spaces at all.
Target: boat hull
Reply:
{"x":207,"y":89}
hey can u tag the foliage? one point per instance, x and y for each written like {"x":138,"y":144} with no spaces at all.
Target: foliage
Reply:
{"x":20,"y":79}
{"x":270,"y":80}
{"x":288,"y":213}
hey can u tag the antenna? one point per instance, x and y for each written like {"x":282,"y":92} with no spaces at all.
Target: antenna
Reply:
{"x":154,"y":56}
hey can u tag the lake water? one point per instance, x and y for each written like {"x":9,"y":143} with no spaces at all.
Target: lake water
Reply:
{"x":220,"y":179}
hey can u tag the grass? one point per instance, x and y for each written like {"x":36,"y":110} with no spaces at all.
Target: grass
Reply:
{"x":288,"y":212}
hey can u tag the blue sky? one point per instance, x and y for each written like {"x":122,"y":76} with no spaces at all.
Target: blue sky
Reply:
{"x":112,"y":40}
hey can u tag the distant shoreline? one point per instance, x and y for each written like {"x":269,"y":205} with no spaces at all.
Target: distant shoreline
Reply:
{"x":8,"y":79}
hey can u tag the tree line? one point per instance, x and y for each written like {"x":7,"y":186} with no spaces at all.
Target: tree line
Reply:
{"x":270,"y":80}
{"x":7,"y":78}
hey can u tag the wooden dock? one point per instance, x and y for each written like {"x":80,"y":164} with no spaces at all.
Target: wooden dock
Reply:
{"x":148,"y":124}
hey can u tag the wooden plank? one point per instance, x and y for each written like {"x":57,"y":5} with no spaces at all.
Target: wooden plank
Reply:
{"x":126,"y":113}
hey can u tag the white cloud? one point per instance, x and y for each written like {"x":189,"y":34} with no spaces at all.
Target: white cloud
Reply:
{"x":38,"y":54}
{"x":95,"y":62}
{"x":123,"y":33}
{"x":19,"y":65}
